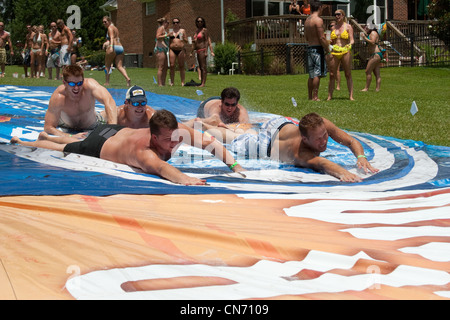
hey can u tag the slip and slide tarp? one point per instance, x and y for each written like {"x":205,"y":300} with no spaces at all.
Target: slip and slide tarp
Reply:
{"x":75,"y":227}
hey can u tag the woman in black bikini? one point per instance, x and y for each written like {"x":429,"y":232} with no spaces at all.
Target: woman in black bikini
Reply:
{"x":201,"y":43}
{"x":177,"y":41}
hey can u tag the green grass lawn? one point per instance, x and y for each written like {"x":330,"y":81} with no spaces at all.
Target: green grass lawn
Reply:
{"x":383,"y":113}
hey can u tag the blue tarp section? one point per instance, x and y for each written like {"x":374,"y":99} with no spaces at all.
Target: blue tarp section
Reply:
{"x":412,"y":165}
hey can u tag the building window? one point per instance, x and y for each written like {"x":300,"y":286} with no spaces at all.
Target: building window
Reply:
{"x":150,"y":7}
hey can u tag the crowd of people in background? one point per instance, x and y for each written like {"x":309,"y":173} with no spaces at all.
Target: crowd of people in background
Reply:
{"x":60,"y":47}
{"x":171,"y":46}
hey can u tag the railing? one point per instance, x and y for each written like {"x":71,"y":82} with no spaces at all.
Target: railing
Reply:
{"x":279,"y":44}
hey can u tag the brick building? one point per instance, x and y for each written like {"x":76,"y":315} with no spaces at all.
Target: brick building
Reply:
{"x":136,"y":19}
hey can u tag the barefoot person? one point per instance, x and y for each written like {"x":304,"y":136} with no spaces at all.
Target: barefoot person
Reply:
{"x":177,"y":51}
{"x":54,"y":46}
{"x":4,"y":39}
{"x":282,"y":140}
{"x":72,"y":105}
{"x":376,"y":55}
{"x":114,"y":51}
{"x":342,"y":41}
{"x":201,"y":43}
{"x":66,"y":43}
{"x":315,"y":37}
{"x":161,"y":50}
{"x":145,"y":149}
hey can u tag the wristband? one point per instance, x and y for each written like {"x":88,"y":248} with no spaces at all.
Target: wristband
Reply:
{"x":361,"y":156}
{"x":233,"y":165}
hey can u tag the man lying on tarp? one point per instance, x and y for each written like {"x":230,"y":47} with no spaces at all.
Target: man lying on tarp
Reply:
{"x":72,"y":105}
{"x":281,"y":139}
{"x":146,"y":149}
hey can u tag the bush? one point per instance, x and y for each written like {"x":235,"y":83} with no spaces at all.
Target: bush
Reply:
{"x":225,"y":55}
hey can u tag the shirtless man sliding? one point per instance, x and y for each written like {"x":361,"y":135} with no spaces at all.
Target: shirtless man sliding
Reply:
{"x":222,"y":111}
{"x":72,"y":105}
{"x":145,"y":149}
{"x":280,"y":139}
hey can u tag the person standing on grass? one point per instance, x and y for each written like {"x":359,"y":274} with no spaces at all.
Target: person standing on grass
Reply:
{"x":178,"y":40}
{"x":342,"y":41}
{"x":373,"y":65}
{"x":4,"y":39}
{"x":27,"y":49}
{"x":316,"y":39}
{"x":161,"y":50}
{"x":201,"y":43}
{"x":114,"y":51}
{"x":54,"y":46}
{"x":66,"y":43}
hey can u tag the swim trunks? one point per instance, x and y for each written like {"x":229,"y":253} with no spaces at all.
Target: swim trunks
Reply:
{"x":99,"y":121}
{"x":2,"y":56}
{"x":64,"y":56}
{"x":256,"y":146}
{"x":201,"y":108}
{"x":53,"y":60}
{"x":93,"y":144}
{"x":317,"y":66}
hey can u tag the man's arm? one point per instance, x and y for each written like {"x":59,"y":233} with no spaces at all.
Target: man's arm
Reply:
{"x":209,"y":143}
{"x":103,"y":96}
{"x":340,"y":136}
{"x":321,"y":164}
{"x":150,"y":163}
{"x":52,"y":116}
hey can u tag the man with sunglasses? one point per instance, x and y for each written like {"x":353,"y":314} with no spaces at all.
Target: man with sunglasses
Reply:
{"x":135,"y":113}
{"x":222,"y":111}
{"x":72,"y":105}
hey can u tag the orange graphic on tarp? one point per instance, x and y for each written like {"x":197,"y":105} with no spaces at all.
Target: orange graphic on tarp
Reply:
{"x":48,"y":240}
{"x":5,"y":119}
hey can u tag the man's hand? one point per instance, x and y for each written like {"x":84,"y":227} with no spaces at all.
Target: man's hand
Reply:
{"x":365,"y":165}
{"x":349,"y":177}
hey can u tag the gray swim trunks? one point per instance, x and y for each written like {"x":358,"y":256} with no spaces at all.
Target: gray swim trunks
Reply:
{"x":259,"y":146}
{"x":317,"y":66}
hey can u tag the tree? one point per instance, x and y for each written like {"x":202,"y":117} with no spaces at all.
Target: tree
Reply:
{"x":43,"y":12}
{"x":440,"y":10}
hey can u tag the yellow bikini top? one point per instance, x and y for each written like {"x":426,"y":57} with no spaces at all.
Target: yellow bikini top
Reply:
{"x":344,"y":35}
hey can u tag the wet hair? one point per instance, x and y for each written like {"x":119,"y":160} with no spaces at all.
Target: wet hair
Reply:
{"x":315,"y":5}
{"x":310,"y":121}
{"x":75,"y":71}
{"x":230,"y":93}
{"x":162,"y":119}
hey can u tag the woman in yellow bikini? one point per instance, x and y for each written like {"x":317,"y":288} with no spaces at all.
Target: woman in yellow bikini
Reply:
{"x":341,"y":41}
